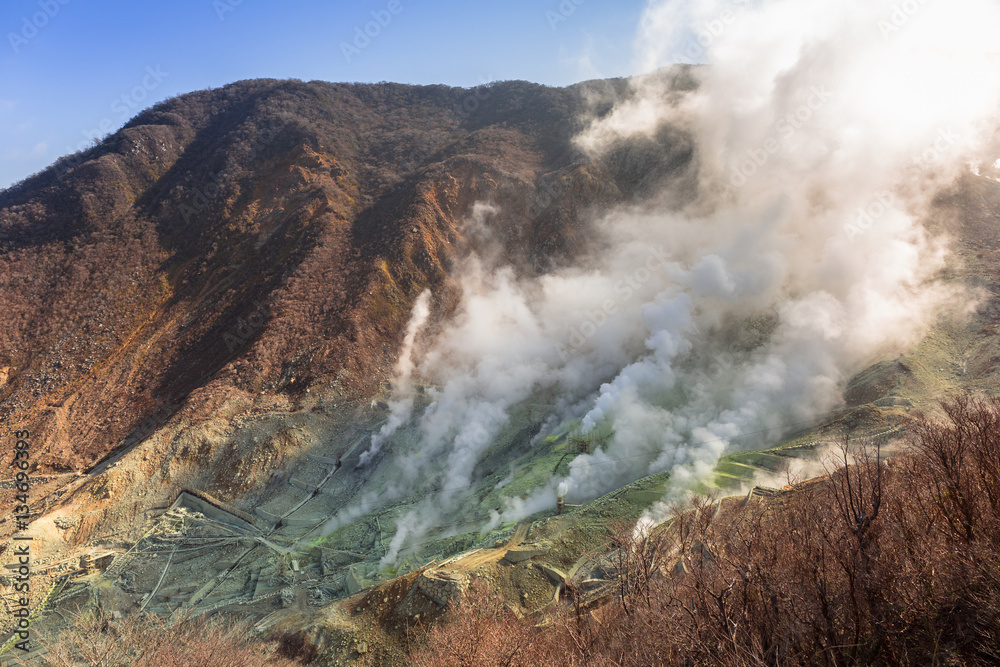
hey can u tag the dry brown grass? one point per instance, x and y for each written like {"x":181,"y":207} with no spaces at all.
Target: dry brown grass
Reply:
{"x":481,"y":632}
{"x":97,"y":640}
{"x":881,"y":563}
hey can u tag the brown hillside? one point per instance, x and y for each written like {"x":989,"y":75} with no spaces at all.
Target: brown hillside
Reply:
{"x":269,"y":237}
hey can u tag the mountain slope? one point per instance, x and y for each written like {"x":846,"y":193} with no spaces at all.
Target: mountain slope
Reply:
{"x":267,"y":236}
{"x":214,"y":299}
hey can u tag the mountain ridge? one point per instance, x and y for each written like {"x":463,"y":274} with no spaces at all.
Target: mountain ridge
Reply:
{"x":318,"y":211}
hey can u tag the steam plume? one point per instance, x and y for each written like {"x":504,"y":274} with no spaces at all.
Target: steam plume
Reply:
{"x":401,"y":405}
{"x":823,"y":131}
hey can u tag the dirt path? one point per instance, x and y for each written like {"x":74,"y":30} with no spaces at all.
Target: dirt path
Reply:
{"x":480,"y":557}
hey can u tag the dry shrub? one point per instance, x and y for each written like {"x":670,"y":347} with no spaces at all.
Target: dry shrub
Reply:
{"x":97,"y":640}
{"x":879,"y":563}
{"x":480,"y":631}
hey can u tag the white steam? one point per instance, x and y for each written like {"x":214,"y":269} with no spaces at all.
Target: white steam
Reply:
{"x":401,"y":405}
{"x":822,"y":130}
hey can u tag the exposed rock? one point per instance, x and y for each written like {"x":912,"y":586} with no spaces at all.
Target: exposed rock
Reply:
{"x":66,"y":522}
{"x":555,"y":574}
{"x":443,"y":587}
{"x":520,"y":554}
{"x":357,"y":579}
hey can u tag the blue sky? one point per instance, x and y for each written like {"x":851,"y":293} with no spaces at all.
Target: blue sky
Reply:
{"x":73,"y":69}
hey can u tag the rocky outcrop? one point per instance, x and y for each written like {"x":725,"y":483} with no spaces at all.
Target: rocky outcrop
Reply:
{"x":443,"y":587}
